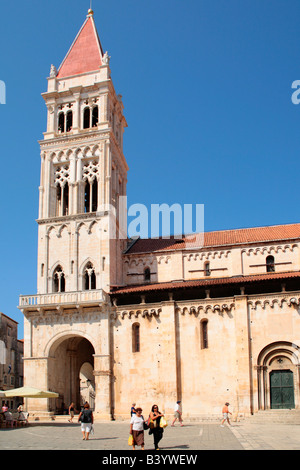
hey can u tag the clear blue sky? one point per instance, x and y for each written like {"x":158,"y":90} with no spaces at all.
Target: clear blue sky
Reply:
{"x":206,"y":86}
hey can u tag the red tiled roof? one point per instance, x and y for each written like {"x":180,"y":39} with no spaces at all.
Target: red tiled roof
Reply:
{"x":205,"y":282}
{"x":274,"y":233}
{"x":85,"y":54}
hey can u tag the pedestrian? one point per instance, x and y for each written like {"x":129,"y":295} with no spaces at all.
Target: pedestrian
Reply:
{"x":225,"y":412}
{"x":177,"y":413}
{"x":132,"y":409}
{"x":155,"y":428}
{"x":71,"y":412}
{"x":137,"y":428}
{"x":5,"y":407}
{"x":87,"y":420}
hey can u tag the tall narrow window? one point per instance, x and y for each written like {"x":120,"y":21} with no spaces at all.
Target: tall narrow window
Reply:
{"x":86,"y":118}
{"x":203,"y":333}
{"x":95,"y":113}
{"x":58,"y":199}
{"x":270,"y":264}
{"x":91,"y":196}
{"x":62,"y":190}
{"x":89,"y":277}
{"x":206,"y":269}
{"x":147,"y":275}
{"x":59,"y":284}
{"x":69,"y":122}
{"x":136,"y":337}
{"x":61,"y":122}
{"x":65,"y":208}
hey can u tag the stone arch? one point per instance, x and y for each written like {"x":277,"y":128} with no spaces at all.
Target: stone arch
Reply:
{"x":66,"y":353}
{"x":276,"y":359}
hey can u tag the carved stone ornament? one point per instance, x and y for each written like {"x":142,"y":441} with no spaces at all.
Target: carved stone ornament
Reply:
{"x":106,"y":59}
{"x":53,"y":71}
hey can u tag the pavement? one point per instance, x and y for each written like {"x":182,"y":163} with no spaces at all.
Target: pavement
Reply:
{"x":192,"y":437}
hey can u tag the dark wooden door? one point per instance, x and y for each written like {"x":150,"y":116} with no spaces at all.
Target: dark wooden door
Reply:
{"x":282,"y":389}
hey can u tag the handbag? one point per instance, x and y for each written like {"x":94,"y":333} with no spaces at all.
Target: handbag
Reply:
{"x":146,"y":424}
{"x":163,"y":422}
{"x":130,"y":440}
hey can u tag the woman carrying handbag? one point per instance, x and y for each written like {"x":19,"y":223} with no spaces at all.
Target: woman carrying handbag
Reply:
{"x":155,"y":428}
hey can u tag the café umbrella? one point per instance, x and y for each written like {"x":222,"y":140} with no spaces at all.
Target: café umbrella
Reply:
{"x":30,"y":392}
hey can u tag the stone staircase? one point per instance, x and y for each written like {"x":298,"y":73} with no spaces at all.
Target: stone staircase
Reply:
{"x":275,"y":416}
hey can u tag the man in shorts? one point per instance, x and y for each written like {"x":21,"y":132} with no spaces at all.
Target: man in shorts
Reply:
{"x":225,"y":412}
{"x":177,"y":413}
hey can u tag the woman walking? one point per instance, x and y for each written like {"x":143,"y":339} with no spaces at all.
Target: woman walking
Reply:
{"x":156,"y":430}
{"x":71,"y":412}
{"x":87,"y":419}
{"x":137,"y":429}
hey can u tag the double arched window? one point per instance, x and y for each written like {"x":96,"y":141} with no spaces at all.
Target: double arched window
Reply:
{"x":90,"y":117}
{"x":89,"y":277}
{"x":59,"y":282}
{"x":65,"y":121}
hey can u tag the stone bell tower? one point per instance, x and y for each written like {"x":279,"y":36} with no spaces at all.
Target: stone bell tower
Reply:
{"x":83,"y":175}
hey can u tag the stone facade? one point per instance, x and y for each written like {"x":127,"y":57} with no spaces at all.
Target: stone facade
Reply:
{"x":146,"y":321}
{"x":11,"y":358}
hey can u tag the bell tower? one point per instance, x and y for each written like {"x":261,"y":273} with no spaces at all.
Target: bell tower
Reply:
{"x":67,"y":326}
{"x":83,"y":172}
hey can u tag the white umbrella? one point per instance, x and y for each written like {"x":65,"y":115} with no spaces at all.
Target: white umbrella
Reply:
{"x":30,"y":392}
{"x":2,"y":393}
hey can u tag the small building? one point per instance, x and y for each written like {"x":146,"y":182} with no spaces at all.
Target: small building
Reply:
{"x":11,"y":358}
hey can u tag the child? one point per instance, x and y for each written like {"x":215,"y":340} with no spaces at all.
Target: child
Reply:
{"x":225,"y":412}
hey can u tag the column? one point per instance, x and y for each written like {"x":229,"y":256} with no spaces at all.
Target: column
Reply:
{"x":243,"y":352}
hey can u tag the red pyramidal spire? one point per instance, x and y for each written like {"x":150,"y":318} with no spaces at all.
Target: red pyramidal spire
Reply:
{"x":85,"y":54}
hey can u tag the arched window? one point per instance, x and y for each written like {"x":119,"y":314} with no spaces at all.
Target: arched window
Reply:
{"x":91,"y":196}
{"x":136,"y":337}
{"x":59,"y":283}
{"x":206,"y":269}
{"x":270,"y":264}
{"x":61,"y":122}
{"x":89,"y":277}
{"x":147,"y":275}
{"x":95,"y":113}
{"x":65,"y":201}
{"x":203,"y":334}
{"x":86,"y":118}
{"x":69,"y":121}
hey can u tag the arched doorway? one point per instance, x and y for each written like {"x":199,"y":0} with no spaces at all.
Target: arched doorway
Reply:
{"x":278,"y":376}
{"x":87,"y":384}
{"x":67,"y":356}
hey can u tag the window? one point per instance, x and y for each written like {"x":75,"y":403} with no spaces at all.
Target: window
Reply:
{"x":89,"y":277}
{"x":95,"y":116}
{"x":206,"y":269}
{"x":203,"y":333}
{"x":136,"y":337}
{"x":86,"y":118}
{"x":147,"y":275}
{"x":69,"y":121}
{"x":270,"y":264}
{"x":65,"y":122}
{"x":91,"y":196}
{"x":59,"y":280}
{"x":62,"y":190}
{"x":61,"y":122}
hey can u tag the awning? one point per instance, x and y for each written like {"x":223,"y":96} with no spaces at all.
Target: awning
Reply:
{"x":30,"y":392}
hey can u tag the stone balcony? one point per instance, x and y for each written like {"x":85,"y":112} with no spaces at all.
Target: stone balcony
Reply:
{"x":63,"y":300}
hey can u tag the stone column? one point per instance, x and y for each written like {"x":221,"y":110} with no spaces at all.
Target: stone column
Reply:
{"x":243,"y":353}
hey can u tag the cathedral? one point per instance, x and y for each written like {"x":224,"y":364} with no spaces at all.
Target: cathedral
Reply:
{"x":116,"y":321}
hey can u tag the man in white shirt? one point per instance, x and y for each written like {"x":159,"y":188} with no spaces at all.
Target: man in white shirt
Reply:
{"x":177,"y":413}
